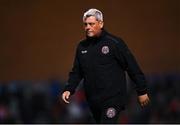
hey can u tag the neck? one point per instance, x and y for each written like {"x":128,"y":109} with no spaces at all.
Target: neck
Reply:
{"x":99,"y":33}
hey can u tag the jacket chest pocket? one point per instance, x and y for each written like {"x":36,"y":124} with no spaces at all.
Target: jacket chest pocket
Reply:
{"x":85,"y":61}
{"x":104,"y":59}
{"x":104,"y":55}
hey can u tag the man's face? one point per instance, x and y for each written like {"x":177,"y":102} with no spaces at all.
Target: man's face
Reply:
{"x":92,"y":26}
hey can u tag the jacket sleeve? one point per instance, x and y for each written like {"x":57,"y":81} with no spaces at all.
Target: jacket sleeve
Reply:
{"x":75,"y":75}
{"x":129,"y":64}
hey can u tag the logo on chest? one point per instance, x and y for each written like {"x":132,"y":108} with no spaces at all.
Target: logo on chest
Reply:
{"x":111,"y":112}
{"x":105,"y":50}
{"x":83,"y":52}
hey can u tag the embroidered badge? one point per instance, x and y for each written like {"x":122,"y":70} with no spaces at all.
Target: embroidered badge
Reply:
{"x":105,"y":49}
{"x":111,"y":112}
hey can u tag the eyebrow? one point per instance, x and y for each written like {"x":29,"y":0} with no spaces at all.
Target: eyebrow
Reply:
{"x":89,"y":23}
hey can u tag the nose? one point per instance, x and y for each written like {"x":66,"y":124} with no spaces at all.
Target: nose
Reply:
{"x":87,"y":27}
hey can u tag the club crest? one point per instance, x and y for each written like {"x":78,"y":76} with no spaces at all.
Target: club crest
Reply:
{"x":111,"y":112}
{"x":105,"y":49}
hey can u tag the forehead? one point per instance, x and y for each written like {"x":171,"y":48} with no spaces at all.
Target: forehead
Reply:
{"x":90,"y":19}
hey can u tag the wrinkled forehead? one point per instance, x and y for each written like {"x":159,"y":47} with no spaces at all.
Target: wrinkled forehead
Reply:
{"x":90,"y":19}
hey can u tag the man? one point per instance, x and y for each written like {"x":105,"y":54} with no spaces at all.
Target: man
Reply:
{"x":102,"y":60}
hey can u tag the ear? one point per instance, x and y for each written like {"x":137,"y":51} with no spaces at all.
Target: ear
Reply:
{"x":101,"y":23}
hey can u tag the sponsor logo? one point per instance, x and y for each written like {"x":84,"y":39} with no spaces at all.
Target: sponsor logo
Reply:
{"x":83,"y":52}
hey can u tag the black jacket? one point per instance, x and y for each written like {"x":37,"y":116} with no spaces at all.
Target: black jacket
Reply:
{"x":102,"y":63}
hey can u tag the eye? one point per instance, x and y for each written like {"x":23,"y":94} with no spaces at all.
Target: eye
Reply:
{"x":91,"y":24}
{"x":85,"y":24}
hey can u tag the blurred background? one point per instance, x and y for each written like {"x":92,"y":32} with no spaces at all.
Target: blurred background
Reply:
{"x":38,"y":39}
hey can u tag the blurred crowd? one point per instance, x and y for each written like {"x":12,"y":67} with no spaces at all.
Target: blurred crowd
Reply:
{"x":40,"y":102}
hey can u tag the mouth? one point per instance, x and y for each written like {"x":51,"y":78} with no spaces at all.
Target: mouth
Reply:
{"x":89,"y":31}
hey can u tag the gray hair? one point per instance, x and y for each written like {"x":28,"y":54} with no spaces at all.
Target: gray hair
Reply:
{"x":93,"y":12}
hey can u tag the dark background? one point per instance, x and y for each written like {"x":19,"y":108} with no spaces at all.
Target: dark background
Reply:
{"x":38,"y":39}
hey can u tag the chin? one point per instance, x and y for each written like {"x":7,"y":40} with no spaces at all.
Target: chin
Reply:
{"x":90,"y":35}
